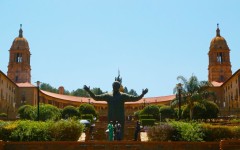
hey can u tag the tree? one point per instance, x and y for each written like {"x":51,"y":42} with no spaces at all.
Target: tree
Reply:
{"x":48,"y":112}
{"x":212,"y":109}
{"x":70,"y":111}
{"x":167,"y":112}
{"x":87,"y":109}
{"x":27,"y":112}
{"x":193,"y":91}
{"x":151,"y":110}
{"x":80,"y":92}
{"x":48,"y":87}
{"x":97,"y":91}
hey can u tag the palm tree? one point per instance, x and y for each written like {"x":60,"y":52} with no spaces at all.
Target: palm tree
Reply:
{"x":192,"y":91}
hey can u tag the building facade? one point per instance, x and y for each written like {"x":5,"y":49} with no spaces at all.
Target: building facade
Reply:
{"x":16,"y":88}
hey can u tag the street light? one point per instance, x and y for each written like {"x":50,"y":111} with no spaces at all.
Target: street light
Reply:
{"x":179,"y":88}
{"x":38,"y":99}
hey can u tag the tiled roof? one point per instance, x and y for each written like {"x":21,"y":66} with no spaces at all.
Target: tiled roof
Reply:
{"x":216,"y":84}
{"x":26,"y":84}
{"x":86,"y":99}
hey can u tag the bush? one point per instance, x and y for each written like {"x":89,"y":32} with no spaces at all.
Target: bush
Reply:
{"x":66,"y":130}
{"x":146,"y":117}
{"x":49,"y":112}
{"x":147,"y":122}
{"x":3,"y":115}
{"x":31,"y":131}
{"x":167,"y":112}
{"x":87,"y":109}
{"x":187,"y":131}
{"x":27,"y":112}
{"x":217,"y":132}
{"x":151,"y":110}
{"x":7,"y":130}
{"x":88,"y":117}
{"x":2,"y":125}
{"x":162,"y":132}
{"x":69,"y":111}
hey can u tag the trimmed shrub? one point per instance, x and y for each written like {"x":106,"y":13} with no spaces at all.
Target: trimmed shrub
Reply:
{"x":70,"y":111}
{"x":151,"y":110}
{"x":3,"y":115}
{"x":2,"y":125}
{"x":167,"y":112}
{"x":162,"y":132}
{"x":88,"y":117}
{"x":49,"y":112}
{"x":187,"y":131}
{"x":31,"y":131}
{"x":66,"y":130}
{"x":27,"y":112}
{"x":87,"y":109}
{"x":147,"y":122}
{"x":146,"y":117}
{"x":7,"y":131}
{"x":217,"y":132}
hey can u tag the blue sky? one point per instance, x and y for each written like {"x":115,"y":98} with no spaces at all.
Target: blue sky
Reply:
{"x":151,"y":42}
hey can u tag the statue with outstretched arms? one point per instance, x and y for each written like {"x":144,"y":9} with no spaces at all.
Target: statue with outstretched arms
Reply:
{"x":115,"y":101}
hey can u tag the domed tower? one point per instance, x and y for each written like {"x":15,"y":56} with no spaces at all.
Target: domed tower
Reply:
{"x":219,"y":68}
{"x":19,"y":69}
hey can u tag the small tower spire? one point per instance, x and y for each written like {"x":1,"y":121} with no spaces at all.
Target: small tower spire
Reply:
{"x":218,"y":30}
{"x":20,"y":31}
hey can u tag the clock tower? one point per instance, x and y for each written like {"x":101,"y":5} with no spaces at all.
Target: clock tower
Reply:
{"x":19,"y":69}
{"x":219,"y":68}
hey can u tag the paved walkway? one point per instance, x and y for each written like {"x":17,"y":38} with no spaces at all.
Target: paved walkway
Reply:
{"x":143,"y":136}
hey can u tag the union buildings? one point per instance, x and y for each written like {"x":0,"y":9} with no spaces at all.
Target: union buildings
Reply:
{"x":16,"y":88}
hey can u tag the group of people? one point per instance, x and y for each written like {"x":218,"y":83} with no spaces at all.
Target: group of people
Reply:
{"x":114,"y":131}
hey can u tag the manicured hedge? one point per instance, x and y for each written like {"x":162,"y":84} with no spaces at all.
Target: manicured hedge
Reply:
{"x":63,"y":130}
{"x":192,"y":131}
{"x":147,"y":122}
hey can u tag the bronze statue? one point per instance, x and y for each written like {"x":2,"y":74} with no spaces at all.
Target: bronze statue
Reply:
{"x":116,"y":102}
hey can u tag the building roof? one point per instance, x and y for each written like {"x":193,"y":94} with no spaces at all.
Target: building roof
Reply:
{"x":26,"y":84}
{"x":88,"y":99}
{"x":216,"y":84}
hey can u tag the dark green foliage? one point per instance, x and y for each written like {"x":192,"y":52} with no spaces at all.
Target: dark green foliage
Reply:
{"x":131,"y":92}
{"x":217,"y":132}
{"x":66,"y":130}
{"x":163,"y":132}
{"x":7,"y":130}
{"x":80,"y":92}
{"x":49,"y":112}
{"x":87,"y":109}
{"x":151,"y":110}
{"x":137,"y":114}
{"x":201,"y":110}
{"x":48,"y":87}
{"x":88,"y":117}
{"x":167,"y":112}
{"x":27,"y":112}
{"x":70,"y":111}
{"x":2,"y":124}
{"x":3,"y":115}
{"x":97,"y":91}
{"x":147,"y":122}
{"x":146,"y":117}
{"x":212,"y":109}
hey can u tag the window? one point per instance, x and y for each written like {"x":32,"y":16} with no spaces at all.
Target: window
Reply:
{"x":18,"y":58}
{"x":219,"y":58}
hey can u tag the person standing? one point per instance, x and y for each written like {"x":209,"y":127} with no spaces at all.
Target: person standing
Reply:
{"x":137,"y":130}
{"x":110,"y":131}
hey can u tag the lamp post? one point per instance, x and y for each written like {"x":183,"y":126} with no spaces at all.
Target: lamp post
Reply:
{"x":38,"y":99}
{"x":179,"y":88}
